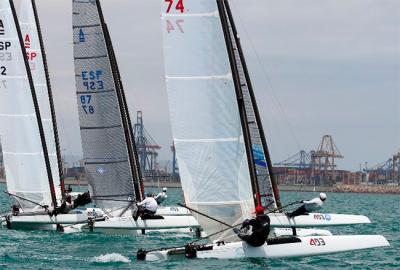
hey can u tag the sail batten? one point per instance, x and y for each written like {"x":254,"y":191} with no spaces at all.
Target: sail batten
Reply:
{"x":21,"y":135}
{"x":31,"y":35}
{"x":107,"y":159}
{"x":204,"y":115}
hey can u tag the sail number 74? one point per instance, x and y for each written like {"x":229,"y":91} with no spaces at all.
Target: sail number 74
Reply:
{"x":179,"y":5}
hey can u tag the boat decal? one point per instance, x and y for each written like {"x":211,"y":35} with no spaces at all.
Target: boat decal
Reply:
{"x":326,"y":217}
{"x":317,"y":242}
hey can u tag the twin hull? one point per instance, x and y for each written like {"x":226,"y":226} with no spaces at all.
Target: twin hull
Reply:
{"x":301,"y":246}
{"x":173,"y":218}
{"x":77,"y":220}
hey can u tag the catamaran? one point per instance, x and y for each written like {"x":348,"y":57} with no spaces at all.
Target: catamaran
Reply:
{"x":28,"y":125}
{"x":220,"y":144}
{"x":110,"y":157}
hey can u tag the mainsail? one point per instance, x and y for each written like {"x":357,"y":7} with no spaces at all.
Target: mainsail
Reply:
{"x":106,"y":140}
{"x":32,"y":38}
{"x":26,"y":161}
{"x":205,"y":118}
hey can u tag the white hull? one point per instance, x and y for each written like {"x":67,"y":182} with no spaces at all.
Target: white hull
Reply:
{"x":307,"y":246}
{"x":173,"y":211}
{"x":76,"y":221}
{"x":278,"y":232}
{"x":128,"y":225}
{"x":316,"y":220}
{"x":45,"y":222}
{"x":167,"y":211}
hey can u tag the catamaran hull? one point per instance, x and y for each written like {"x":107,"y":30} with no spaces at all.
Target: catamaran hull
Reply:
{"x":278,"y":232}
{"x":46,"y":222}
{"x":280,"y":220}
{"x":127,"y":225}
{"x":173,"y":211}
{"x":304,"y":246}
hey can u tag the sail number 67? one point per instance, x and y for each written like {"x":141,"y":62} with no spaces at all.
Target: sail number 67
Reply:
{"x":179,"y":5}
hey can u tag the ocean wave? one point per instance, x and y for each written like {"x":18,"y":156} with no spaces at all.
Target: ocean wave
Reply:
{"x":111,"y":257}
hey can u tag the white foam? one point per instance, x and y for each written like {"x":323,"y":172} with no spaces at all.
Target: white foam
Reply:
{"x":112,"y":257}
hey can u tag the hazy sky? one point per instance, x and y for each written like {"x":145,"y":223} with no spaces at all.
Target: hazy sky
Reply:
{"x":318,"y":67}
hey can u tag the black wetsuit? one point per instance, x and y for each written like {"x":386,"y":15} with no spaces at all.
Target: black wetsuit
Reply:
{"x":259,"y":233}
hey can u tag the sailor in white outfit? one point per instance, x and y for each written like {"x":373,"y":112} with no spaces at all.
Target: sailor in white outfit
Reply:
{"x":146,"y":207}
{"x":309,"y":206}
{"x":149,"y":204}
{"x":161,"y":196}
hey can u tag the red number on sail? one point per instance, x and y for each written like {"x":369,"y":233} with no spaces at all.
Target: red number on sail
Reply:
{"x":179,"y":6}
{"x":169,"y":5}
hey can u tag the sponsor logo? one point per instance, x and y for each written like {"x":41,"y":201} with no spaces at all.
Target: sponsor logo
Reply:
{"x":101,"y":170}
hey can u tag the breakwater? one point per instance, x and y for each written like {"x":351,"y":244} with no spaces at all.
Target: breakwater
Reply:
{"x":340,"y":188}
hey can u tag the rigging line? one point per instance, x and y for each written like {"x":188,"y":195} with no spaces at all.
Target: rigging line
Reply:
{"x":270,"y":212}
{"x":96,"y":219}
{"x":22,"y":198}
{"x":207,"y":216}
{"x":82,"y":222}
{"x":208,"y":236}
{"x":267,"y":78}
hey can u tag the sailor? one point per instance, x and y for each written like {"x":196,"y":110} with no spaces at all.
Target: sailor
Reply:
{"x":161,"y":196}
{"x":309,"y":206}
{"x":15,"y":210}
{"x":68,"y":204}
{"x":146,"y":207}
{"x":260,"y":226}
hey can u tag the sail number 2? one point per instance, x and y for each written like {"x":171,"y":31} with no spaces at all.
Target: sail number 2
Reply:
{"x":179,"y":5}
{"x":317,"y":242}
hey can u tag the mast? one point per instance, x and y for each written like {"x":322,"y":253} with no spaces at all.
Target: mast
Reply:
{"x":51,"y":101}
{"x":36,"y":107}
{"x":120,"y":101}
{"x":255,"y":107}
{"x":138,"y":178}
{"x":240,"y":101}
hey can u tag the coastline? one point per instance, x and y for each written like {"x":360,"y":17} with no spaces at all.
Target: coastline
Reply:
{"x":339,"y":188}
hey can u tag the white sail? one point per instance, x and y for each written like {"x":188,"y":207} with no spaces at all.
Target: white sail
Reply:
{"x":33,"y":49}
{"x":205,"y":119}
{"x":22,"y":148}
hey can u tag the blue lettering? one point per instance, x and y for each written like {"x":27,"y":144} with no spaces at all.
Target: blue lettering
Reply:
{"x":84,"y":77}
{"x":81,"y":35}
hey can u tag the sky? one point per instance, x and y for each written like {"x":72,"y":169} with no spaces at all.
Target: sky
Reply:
{"x":317,"y":67}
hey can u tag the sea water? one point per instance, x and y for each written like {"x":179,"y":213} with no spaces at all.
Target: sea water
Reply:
{"x":52,"y":250}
